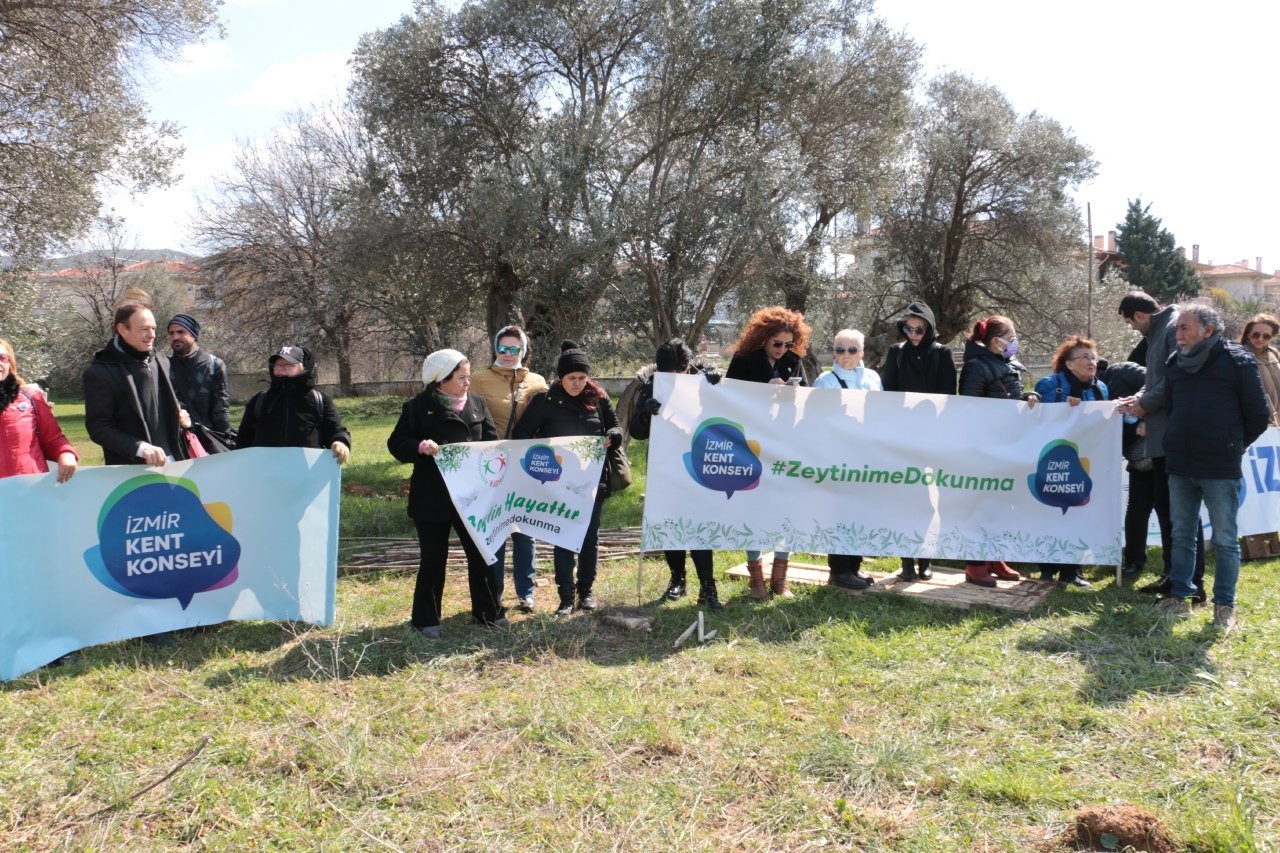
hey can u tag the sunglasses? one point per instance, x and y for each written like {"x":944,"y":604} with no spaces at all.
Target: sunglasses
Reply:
{"x":787,"y":345}
{"x":5,"y":358}
{"x":913,"y":330}
{"x":1263,"y":335}
{"x":504,"y":349}
{"x":850,"y":350}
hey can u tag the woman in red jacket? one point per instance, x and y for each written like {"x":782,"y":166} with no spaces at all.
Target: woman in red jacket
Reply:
{"x":29,"y":435}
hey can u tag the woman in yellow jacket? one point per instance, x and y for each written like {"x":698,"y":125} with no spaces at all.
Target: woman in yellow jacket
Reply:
{"x":507,"y":387}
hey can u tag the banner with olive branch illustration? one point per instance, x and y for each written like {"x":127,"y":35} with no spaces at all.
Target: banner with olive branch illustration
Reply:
{"x":743,"y":465}
{"x":543,"y":487}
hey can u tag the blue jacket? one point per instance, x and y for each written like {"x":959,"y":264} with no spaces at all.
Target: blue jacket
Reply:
{"x":1056,"y":387}
{"x":1214,"y":413}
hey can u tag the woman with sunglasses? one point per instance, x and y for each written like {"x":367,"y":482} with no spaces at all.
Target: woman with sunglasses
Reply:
{"x":848,"y":372}
{"x":1257,"y":337}
{"x":770,"y":350}
{"x":507,"y":386}
{"x":921,"y":365}
{"x":1074,"y":380}
{"x":30,"y":438}
{"x":990,"y":371}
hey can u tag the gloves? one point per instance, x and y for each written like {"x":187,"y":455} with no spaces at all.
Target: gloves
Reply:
{"x":652,"y":406}
{"x":713,"y":375}
{"x":340,"y":452}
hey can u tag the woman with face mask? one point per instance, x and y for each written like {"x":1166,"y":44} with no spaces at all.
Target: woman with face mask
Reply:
{"x":991,"y":371}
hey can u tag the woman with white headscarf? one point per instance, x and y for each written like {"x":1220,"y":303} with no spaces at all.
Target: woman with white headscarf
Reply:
{"x":444,"y":413}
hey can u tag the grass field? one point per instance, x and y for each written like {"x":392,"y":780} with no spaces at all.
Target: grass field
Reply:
{"x":823,"y":722}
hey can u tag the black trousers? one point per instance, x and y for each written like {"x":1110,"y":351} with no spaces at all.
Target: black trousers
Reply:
{"x":433,"y":545}
{"x":703,"y":564}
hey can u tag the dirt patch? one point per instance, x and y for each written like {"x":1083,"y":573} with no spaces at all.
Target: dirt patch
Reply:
{"x":1121,"y":827}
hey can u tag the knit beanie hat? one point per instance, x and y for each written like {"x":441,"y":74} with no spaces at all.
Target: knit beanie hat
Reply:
{"x":440,"y":364}
{"x":186,"y":321}
{"x":572,"y":360}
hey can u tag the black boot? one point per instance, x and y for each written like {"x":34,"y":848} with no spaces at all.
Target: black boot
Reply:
{"x":923,"y":571}
{"x":707,"y":597}
{"x":1071,"y":577}
{"x":566,"y":601}
{"x":1163,"y":586}
{"x":675,"y":589}
{"x":1048,"y":573}
{"x":908,"y":572}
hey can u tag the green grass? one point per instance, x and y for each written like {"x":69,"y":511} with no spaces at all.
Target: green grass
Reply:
{"x":828,"y":721}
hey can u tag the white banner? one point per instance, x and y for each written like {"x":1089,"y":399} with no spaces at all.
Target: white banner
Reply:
{"x":744,"y":465}
{"x":541,"y":487}
{"x":125,"y":551}
{"x":1260,"y":498}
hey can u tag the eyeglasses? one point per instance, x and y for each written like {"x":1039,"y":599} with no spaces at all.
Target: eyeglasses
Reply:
{"x":914,"y":330}
{"x":504,"y":349}
{"x":5,"y":358}
{"x":1087,"y":356}
{"x":1007,"y":341}
{"x":1263,"y":335}
{"x":781,"y":344}
{"x":850,"y":350}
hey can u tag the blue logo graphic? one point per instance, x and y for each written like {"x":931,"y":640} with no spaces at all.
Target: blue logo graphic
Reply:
{"x":1062,"y":477}
{"x":722,"y":459}
{"x":157,"y":540}
{"x":541,"y":463}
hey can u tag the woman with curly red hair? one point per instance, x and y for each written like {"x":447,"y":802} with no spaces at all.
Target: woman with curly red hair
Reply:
{"x":770,"y":350}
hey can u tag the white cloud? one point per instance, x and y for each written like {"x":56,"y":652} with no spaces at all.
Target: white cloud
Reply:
{"x":299,"y":82}
{"x":202,"y":58}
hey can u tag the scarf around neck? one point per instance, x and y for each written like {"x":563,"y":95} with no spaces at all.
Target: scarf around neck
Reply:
{"x":1193,"y":359}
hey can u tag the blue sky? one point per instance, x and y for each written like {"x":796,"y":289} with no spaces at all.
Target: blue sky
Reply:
{"x":1172,"y":97}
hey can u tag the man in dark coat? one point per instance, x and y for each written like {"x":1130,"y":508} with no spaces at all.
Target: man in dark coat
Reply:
{"x":1217,"y":408}
{"x":130,"y":407}
{"x":199,"y":376}
{"x":293,"y":412}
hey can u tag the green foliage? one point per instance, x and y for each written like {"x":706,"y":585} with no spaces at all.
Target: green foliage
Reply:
{"x":71,"y":113}
{"x":1152,"y":261}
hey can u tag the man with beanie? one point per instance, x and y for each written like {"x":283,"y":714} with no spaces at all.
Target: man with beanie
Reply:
{"x":1217,"y":408}
{"x":199,"y":377}
{"x":293,"y":412}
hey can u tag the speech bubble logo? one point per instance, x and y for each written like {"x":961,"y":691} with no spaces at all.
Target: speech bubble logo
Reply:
{"x":722,"y":459}
{"x":157,"y":540}
{"x":541,"y":463}
{"x":1062,"y":477}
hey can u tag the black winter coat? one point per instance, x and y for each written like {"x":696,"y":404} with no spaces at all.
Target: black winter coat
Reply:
{"x":986,"y":374}
{"x":934,"y":373}
{"x":201,"y":382}
{"x":114,"y":411}
{"x":754,"y":367}
{"x":426,"y":417}
{"x":554,"y":413}
{"x":1214,"y":413}
{"x":290,"y":415}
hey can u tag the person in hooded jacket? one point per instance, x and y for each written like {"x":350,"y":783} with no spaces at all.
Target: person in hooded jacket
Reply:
{"x":675,"y":356}
{"x":507,"y":386}
{"x":990,"y":371}
{"x":293,"y":412}
{"x":30,"y":437}
{"x":921,"y":365}
{"x":1074,"y":381}
{"x":574,"y":405}
{"x":771,"y":350}
{"x":444,"y":413}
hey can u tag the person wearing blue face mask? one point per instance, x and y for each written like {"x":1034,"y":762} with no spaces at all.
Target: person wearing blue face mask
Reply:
{"x":991,"y":371}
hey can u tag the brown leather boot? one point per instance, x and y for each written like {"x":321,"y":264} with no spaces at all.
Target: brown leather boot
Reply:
{"x":778,"y":579}
{"x":755,"y":572}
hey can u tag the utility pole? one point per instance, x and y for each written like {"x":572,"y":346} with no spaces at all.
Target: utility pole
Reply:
{"x":1088,"y":213}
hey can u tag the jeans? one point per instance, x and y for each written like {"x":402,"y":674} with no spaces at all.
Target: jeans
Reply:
{"x":563,"y":558}
{"x":1222,"y":498}
{"x":523,"y":570}
{"x":777,"y":555}
{"x":1161,"y":501}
